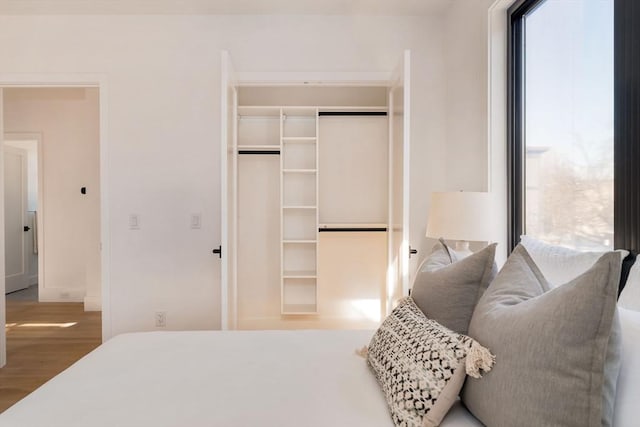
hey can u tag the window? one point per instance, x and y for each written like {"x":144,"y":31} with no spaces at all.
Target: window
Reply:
{"x":562,"y":121}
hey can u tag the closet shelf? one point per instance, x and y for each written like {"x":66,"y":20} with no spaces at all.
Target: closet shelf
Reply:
{"x":299,"y":139}
{"x":259,"y":147}
{"x":354,"y":225}
{"x":299,"y":207}
{"x":258,"y":112}
{"x":293,"y":309}
{"x":299,"y":275}
{"x":299,"y":241}
{"x":299,"y":170}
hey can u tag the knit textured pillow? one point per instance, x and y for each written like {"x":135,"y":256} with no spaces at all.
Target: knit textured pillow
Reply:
{"x":421,"y":365}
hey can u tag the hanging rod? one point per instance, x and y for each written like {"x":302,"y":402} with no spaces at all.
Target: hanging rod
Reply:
{"x":276,"y":152}
{"x":352,"y":113}
{"x":351,"y":229}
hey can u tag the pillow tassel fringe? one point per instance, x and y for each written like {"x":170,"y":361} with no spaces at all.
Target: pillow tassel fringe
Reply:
{"x":362,"y":352}
{"x":478,"y":359}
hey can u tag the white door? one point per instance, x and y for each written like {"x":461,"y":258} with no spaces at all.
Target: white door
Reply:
{"x":228,"y":203}
{"x":15,"y":223}
{"x":399,"y":133}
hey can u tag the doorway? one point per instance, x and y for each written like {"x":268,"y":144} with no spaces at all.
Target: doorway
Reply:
{"x":66,"y":233}
{"x":50,"y":139}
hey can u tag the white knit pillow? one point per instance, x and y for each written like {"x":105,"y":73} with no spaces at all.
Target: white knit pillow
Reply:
{"x":558,"y":264}
{"x":421,"y":365}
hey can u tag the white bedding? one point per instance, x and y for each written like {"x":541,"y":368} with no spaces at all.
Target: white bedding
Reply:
{"x":227,"y":379}
{"x":628,"y":392}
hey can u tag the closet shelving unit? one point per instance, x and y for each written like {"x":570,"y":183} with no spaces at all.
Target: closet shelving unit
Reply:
{"x":299,"y":213}
{"x":310,"y":225}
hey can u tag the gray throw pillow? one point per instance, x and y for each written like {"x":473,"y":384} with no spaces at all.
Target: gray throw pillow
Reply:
{"x":449,"y":294}
{"x":557,"y":350}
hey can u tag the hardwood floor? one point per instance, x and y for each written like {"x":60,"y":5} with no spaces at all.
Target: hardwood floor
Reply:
{"x":43,"y":339}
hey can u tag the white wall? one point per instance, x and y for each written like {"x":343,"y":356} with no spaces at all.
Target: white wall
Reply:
{"x":466,"y":65}
{"x":69,"y":243}
{"x":466,"y":146}
{"x":163,"y":128}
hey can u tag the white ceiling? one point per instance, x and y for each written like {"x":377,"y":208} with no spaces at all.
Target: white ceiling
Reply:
{"x":225,"y":7}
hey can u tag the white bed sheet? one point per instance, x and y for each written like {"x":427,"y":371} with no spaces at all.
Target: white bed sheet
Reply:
{"x":227,"y":379}
{"x":628,"y":390}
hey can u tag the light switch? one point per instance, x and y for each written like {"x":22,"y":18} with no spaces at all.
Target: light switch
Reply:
{"x":196,"y":220}
{"x":134,"y":222}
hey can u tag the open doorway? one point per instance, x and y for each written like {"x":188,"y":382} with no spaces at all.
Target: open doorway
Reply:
{"x":54,"y":134}
{"x":52,"y":209}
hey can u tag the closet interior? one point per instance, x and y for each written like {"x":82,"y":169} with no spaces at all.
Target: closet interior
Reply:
{"x":312,"y":207}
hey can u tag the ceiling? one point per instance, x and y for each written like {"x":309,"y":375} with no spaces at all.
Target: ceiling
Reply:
{"x":223,"y":7}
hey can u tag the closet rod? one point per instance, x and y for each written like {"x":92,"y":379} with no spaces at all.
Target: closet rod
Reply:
{"x":276,"y":152}
{"x":351,"y":229}
{"x":352,"y":113}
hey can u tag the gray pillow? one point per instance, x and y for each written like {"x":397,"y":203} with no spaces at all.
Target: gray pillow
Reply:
{"x":449,"y":294}
{"x":557,"y":350}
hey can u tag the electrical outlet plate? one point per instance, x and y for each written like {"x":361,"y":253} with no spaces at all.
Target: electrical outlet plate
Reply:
{"x":134,"y":222}
{"x":196,"y":220}
{"x":161,"y":319}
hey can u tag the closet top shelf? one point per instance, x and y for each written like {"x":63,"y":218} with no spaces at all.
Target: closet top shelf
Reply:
{"x":259,"y":111}
{"x":299,"y":138}
{"x":267,"y":111}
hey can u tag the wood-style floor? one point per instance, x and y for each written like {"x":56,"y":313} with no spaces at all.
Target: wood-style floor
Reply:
{"x":43,"y":339}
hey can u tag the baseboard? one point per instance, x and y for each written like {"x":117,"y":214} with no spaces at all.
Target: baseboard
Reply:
{"x":61,"y":295}
{"x":92,"y":303}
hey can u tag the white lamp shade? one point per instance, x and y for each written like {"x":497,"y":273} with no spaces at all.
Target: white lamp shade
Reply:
{"x":460,"y":215}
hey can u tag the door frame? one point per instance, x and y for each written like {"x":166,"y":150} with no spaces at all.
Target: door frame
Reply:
{"x":304,"y":78}
{"x":35,"y":136}
{"x":67,"y":80}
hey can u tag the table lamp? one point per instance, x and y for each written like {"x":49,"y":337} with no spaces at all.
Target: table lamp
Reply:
{"x":462,"y":216}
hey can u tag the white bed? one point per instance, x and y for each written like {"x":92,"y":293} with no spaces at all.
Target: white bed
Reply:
{"x":241,"y":379}
{"x":230,"y":379}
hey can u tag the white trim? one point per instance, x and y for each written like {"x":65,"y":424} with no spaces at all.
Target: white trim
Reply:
{"x":406,"y":171}
{"x":92,"y":303}
{"x":3,"y":315}
{"x":78,"y":80}
{"x":61,"y":295}
{"x":224,"y":221}
{"x":497,"y":104}
{"x":314,"y":78}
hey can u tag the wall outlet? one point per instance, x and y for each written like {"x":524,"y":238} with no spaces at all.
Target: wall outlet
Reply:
{"x":161,"y":319}
{"x":134,"y":222}
{"x":196,"y":220}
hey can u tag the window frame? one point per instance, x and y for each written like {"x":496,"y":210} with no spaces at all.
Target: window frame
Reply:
{"x":515,"y":124}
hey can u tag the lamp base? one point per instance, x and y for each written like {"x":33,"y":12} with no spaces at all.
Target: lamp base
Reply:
{"x":462,"y":248}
